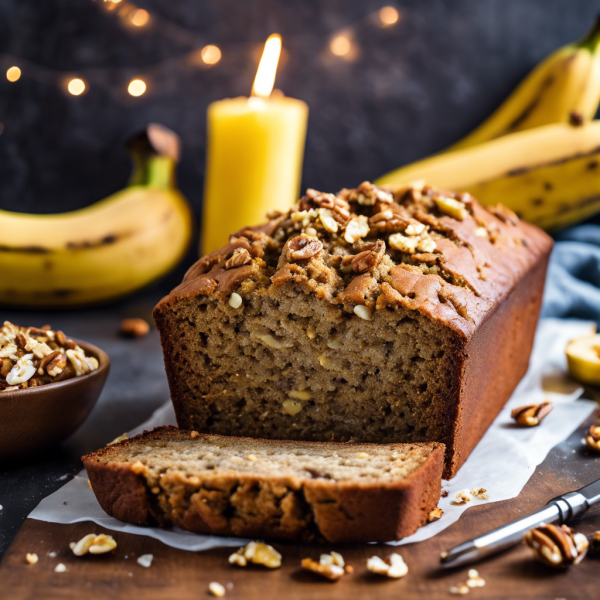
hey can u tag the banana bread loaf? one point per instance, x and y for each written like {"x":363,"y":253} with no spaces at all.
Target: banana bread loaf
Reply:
{"x":283,"y":490}
{"x":360,"y":316}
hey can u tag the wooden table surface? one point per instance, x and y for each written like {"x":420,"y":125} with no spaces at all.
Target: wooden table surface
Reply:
{"x":176,"y":574}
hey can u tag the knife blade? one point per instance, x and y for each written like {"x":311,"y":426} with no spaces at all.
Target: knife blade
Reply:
{"x":559,"y":510}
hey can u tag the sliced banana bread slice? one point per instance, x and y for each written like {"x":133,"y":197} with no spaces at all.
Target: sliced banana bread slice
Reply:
{"x":286,"y":490}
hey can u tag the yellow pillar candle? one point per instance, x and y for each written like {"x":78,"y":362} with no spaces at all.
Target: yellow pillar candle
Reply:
{"x":254,"y":157}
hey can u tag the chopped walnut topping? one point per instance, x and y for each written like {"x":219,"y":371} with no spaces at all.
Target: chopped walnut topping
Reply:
{"x":593,"y":438}
{"x":387,"y":221}
{"x":557,"y":546}
{"x":327,"y":569}
{"x":403,"y":243}
{"x":392,"y":566}
{"x":302,"y":247}
{"x":531,"y":415}
{"x":356,"y":228}
{"x":369,"y":258}
{"x":367,"y":194}
{"x":258,"y":553}
{"x":239,"y":258}
{"x":327,"y":220}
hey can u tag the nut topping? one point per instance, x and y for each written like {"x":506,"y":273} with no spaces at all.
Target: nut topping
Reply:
{"x":435,"y":514}
{"x":239,"y":258}
{"x":595,"y":543}
{"x":387,"y":221}
{"x":531,"y":415}
{"x":302,"y":247}
{"x":593,"y":438}
{"x":557,"y":546}
{"x":94,"y":544}
{"x":369,"y":258}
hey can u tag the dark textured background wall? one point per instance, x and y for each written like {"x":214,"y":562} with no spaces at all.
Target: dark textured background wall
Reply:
{"x":413,"y":89}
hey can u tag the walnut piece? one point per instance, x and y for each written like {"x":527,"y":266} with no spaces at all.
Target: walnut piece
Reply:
{"x":369,"y":258}
{"x":557,"y":546}
{"x":94,"y":544}
{"x":257,"y":553}
{"x":392,"y":566}
{"x":239,"y":258}
{"x":435,"y":514}
{"x":531,"y":415}
{"x":216,"y":589}
{"x":302,"y":247}
{"x":325,"y":567}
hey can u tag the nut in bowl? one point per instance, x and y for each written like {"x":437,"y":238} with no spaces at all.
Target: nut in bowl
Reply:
{"x":49,"y":383}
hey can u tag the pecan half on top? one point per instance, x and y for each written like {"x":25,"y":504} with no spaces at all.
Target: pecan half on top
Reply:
{"x":531,"y":415}
{"x":302,"y":247}
{"x":593,"y":438}
{"x":369,"y":258}
{"x":388,"y":221}
{"x":239,"y":258}
{"x":557,"y":546}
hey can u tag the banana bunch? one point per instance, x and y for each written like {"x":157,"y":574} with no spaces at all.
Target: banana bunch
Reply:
{"x":539,"y":152}
{"x":106,"y":250}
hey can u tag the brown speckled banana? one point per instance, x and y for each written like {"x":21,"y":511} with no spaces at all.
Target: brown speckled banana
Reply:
{"x":106,"y":250}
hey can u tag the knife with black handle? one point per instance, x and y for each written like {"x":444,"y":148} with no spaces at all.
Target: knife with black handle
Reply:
{"x":559,"y":510}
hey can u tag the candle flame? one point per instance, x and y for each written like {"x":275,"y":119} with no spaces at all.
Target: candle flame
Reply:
{"x":267,"y":68}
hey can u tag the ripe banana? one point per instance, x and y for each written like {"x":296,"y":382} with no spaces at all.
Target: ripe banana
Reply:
{"x":549,"y":175}
{"x":565,"y":87}
{"x":106,"y":250}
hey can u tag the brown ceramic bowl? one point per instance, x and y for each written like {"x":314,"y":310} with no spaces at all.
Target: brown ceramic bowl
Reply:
{"x":34,"y":418}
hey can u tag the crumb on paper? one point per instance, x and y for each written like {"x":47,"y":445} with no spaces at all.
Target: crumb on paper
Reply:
{"x":216,"y":589}
{"x":462,"y":497}
{"x":435,"y":514}
{"x":31,"y":558}
{"x":444,"y":494}
{"x":60,"y":568}
{"x":145,"y":560}
{"x":480,"y":493}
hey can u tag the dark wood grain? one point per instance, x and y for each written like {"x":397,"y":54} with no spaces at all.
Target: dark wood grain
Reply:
{"x":186,"y":575}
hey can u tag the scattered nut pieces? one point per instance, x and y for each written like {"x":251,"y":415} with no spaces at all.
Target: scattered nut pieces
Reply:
{"x":557,"y":546}
{"x":392,"y":566}
{"x":31,"y":558}
{"x":356,"y":228}
{"x":145,"y":560}
{"x":60,"y":568}
{"x":531,"y":415}
{"x":134,"y":328}
{"x":258,"y":553}
{"x":463,"y":496}
{"x":459,"y":590}
{"x":593,"y":438}
{"x":435,"y":514}
{"x":303,"y":247}
{"x":94,"y":544}
{"x":403,"y":243}
{"x":216,"y":589}
{"x":327,"y":569}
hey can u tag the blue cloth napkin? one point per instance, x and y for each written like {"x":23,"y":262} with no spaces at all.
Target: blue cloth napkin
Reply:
{"x":573,"y":283}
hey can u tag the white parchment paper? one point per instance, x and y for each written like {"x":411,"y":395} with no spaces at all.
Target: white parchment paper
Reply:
{"x":502,"y":462}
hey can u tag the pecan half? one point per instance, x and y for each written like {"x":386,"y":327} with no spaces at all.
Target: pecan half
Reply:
{"x":61,"y":338}
{"x":557,"y":546}
{"x":302,"y":247}
{"x":337,"y":205}
{"x":531,"y":415}
{"x":367,"y":194}
{"x":593,"y":438}
{"x":239,"y":258}
{"x":369,"y":258}
{"x":21,"y":340}
{"x":44,"y":362}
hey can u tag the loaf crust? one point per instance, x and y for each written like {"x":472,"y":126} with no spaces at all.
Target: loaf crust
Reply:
{"x":467,"y":280}
{"x":312,"y":509}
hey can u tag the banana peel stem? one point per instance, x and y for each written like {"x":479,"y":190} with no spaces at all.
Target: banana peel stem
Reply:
{"x":156,"y":171}
{"x":591,"y":39}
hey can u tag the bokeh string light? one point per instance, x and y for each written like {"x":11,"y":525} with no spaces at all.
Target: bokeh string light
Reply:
{"x":340,"y":44}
